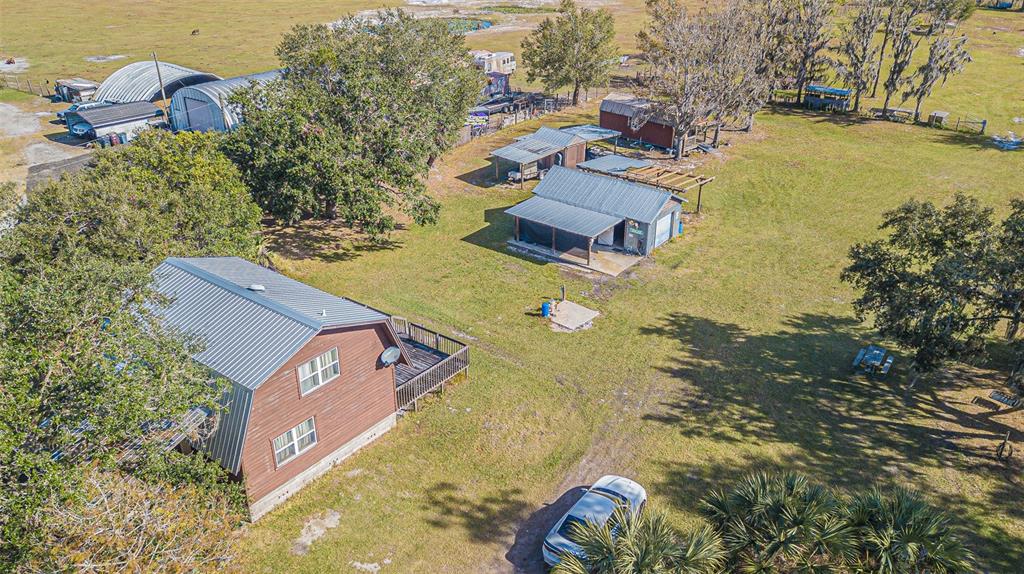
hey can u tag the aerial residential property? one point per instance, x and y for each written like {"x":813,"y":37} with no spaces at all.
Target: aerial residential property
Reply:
{"x":742,"y":282}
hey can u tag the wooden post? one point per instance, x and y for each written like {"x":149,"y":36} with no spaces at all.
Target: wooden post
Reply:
{"x":700,"y":189}
{"x":553,"y":240}
{"x":522,"y":177}
{"x":590,"y":246}
{"x":517,"y":228}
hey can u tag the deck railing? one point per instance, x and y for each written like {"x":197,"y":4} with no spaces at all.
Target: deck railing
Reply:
{"x":434,"y":378}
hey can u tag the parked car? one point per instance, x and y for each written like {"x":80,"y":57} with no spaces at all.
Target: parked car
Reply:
{"x":80,"y":129}
{"x":596,"y":505}
{"x":63,"y":115}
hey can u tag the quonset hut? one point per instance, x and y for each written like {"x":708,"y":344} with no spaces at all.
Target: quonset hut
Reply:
{"x":141,"y":82}
{"x":204,"y":107}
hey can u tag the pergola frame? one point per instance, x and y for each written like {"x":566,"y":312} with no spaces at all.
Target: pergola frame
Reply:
{"x":668,"y":178}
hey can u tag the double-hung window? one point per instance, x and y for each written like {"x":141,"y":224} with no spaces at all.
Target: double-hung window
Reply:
{"x":319,"y":371}
{"x":294,"y":442}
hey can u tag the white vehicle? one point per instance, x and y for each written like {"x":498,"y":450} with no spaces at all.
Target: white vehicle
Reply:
{"x":597,"y":506}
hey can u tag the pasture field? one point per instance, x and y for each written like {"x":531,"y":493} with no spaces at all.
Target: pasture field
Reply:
{"x":727,"y":352}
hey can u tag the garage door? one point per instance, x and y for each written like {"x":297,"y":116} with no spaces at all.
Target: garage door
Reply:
{"x":663,"y":229}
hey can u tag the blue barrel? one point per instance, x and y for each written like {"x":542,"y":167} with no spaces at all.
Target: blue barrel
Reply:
{"x":680,"y":227}
{"x":545,"y":309}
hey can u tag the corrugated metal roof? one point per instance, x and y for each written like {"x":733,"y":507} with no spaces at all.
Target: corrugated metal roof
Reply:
{"x":612,"y":164}
{"x":559,"y":138}
{"x":117,"y":113}
{"x":629,"y":105}
{"x":592,"y":133}
{"x":563,"y":216}
{"x":604,"y":194}
{"x":227,"y":441}
{"x":526,"y":150}
{"x":139,"y":81}
{"x":319,"y":307}
{"x":538,"y":145}
{"x":245,"y":340}
{"x":214,"y":94}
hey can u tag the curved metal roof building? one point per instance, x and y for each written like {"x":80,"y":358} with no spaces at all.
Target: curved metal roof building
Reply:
{"x":139,"y":82}
{"x":205,"y":106}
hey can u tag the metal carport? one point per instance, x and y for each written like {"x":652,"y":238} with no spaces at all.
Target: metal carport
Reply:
{"x":563,"y":217}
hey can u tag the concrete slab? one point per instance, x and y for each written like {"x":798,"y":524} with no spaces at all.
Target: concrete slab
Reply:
{"x":569,"y":316}
{"x":602,"y":260}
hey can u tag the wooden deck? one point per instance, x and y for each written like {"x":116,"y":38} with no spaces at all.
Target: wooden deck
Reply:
{"x":422,"y":356}
{"x":436,"y":359}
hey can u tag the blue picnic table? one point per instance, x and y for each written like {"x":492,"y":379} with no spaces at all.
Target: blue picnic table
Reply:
{"x":873,"y":359}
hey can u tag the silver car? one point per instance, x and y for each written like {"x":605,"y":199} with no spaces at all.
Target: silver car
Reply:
{"x":597,"y":506}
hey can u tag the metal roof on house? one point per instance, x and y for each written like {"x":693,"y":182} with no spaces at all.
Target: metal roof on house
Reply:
{"x":248,"y":333}
{"x":592,"y":133}
{"x":118,"y":114}
{"x":216,"y":94}
{"x":612,"y":164}
{"x":629,"y":105}
{"x":526,"y":150}
{"x":563,"y":216}
{"x":560,"y":138}
{"x":538,"y":145}
{"x":140,"y":82}
{"x":603,"y":194}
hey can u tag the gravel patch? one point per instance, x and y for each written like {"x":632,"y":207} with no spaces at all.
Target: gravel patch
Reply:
{"x":313,"y":529}
{"x":14,"y":122}
{"x":109,"y":58}
{"x":41,"y":152}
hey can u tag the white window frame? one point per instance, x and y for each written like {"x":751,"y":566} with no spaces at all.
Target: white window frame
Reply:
{"x":293,"y":441}
{"x":318,"y":366}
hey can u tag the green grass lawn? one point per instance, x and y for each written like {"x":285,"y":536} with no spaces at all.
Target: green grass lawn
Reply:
{"x":727,"y":353}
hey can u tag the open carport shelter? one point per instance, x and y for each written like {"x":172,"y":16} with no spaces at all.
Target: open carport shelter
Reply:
{"x":574,"y":211}
{"x":543,"y":149}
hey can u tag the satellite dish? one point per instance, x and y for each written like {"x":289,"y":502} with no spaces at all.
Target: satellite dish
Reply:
{"x":390,"y":356}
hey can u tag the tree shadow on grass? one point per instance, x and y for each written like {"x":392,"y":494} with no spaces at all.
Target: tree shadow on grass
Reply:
{"x":489,"y":519}
{"x":496,"y":234}
{"x":327,"y":241}
{"x":525,"y":553}
{"x":484,"y":177}
{"x":796,"y":387}
{"x":844,"y":120}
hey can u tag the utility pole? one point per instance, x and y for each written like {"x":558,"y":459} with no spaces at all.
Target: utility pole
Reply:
{"x":163,"y":94}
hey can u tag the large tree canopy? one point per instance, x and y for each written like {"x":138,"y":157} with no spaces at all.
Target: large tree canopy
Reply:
{"x":86,"y":363}
{"x":576,"y":49}
{"x":923,"y":284}
{"x":163,"y":195}
{"x":363,"y":110}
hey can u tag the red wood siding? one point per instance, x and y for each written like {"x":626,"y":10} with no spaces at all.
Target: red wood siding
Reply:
{"x":343,"y":408}
{"x":650,"y":132}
